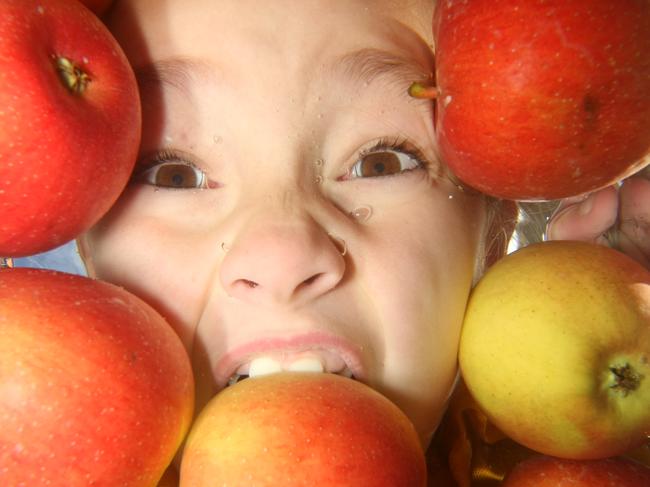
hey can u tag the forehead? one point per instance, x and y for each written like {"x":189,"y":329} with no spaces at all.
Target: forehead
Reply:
{"x":151,"y":29}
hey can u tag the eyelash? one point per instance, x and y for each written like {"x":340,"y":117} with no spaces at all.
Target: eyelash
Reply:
{"x":397,"y":144}
{"x":167,"y":156}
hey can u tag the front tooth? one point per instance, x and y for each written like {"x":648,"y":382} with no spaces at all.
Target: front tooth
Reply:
{"x":306,"y":364}
{"x":264,"y":366}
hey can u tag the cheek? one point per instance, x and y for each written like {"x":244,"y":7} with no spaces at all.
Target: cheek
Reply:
{"x":422,"y":299}
{"x":422,"y":267}
{"x":165,"y":266}
{"x":422,"y":308}
{"x":420,"y":277}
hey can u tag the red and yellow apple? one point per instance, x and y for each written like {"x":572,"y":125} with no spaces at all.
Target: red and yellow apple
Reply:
{"x":555,"y":348}
{"x":542,"y":99}
{"x":70,"y":123}
{"x":545,"y":471}
{"x":95,"y":386}
{"x":295,"y":429}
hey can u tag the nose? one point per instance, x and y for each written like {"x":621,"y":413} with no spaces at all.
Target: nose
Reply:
{"x":280,"y":260}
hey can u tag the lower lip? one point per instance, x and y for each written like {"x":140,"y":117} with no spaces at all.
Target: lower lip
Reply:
{"x":231,"y":361}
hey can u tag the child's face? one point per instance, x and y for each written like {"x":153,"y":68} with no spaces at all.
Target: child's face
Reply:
{"x":293,"y":120}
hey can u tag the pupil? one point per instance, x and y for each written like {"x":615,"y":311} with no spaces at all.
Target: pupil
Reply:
{"x":177,"y":179}
{"x":381,"y":163}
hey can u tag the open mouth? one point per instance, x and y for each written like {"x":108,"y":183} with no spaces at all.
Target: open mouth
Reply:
{"x":312,"y":361}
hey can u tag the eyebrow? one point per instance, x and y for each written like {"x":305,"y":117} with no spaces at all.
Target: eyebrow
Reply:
{"x":362,"y":67}
{"x":176,"y":72}
{"x":367,"y":65}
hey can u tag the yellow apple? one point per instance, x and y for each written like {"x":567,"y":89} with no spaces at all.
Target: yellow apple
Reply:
{"x":302,"y":429}
{"x":555,"y":348}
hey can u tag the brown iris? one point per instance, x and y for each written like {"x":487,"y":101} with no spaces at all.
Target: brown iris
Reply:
{"x":177,"y":176}
{"x":380,"y":164}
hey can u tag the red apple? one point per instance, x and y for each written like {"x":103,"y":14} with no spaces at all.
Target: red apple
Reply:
{"x":542,"y":99}
{"x":69,"y":123}
{"x":545,"y":471}
{"x":302,"y":428}
{"x":95,"y":387}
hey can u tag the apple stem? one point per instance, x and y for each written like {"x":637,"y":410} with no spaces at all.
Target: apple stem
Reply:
{"x":625,"y":379}
{"x":72,"y":76}
{"x":423,"y":90}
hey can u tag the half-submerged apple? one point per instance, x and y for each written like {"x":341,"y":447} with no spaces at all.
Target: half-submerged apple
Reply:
{"x":545,"y":471}
{"x":555,"y":348}
{"x":95,"y":386}
{"x":301,"y":428}
{"x":542,"y":99}
{"x":70,"y":123}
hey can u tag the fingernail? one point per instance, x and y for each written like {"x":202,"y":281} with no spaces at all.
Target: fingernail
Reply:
{"x":585,"y":207}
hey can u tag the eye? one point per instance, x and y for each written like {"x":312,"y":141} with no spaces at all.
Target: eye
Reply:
{"x":387,"y":159}
{"x":174,"y":175}
{"x":168,"y":170}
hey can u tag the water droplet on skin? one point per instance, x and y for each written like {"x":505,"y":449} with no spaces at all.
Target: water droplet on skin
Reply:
{"x":217,"y":139}
{"x":319,"y":179}
{"x":363,"y":213}
{"x":319,"y":162}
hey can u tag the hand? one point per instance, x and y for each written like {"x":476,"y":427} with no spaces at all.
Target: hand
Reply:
{"x":617,"y":216}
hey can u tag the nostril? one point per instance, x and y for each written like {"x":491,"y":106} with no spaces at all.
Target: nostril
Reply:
{"x":271,"y":266}
{"x":311,"y":280}
{"x":249,"y":283}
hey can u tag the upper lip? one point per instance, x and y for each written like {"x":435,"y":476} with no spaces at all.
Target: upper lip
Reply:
{"x":318,"y":342}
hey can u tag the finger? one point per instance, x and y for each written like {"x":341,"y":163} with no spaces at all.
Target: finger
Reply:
{"x":635,"y":218}
{"x":585,"y":220}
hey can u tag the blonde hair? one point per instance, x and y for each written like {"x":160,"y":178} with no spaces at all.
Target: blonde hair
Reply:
{"x":514,"y":224}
